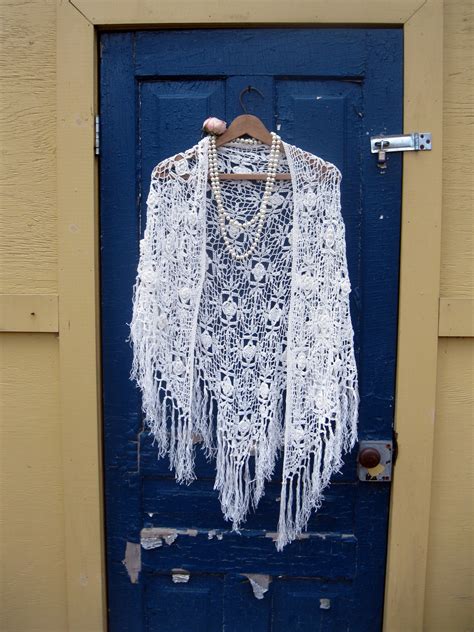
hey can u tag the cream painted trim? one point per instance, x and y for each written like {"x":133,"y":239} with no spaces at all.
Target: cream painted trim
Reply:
{"x":77,"y":177}
{"x":456,"y":317}
{"x":419,"y":274}
{"x":29,"y":313}
{"x":245,"y":12}
{"x":418,"y":324}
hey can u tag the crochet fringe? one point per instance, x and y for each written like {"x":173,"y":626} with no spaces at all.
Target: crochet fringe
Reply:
{"x":209,"y":363}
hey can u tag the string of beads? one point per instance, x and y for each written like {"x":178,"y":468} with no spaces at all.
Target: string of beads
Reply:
{"x":259,"y":217}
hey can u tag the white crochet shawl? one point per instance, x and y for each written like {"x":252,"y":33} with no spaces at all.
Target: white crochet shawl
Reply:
{"x":219,"y":344}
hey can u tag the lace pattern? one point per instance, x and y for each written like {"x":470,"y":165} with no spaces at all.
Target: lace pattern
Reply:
{"x":217,"y":341}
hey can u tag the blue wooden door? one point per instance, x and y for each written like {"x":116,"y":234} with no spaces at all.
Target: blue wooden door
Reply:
{"x":172,"y":564}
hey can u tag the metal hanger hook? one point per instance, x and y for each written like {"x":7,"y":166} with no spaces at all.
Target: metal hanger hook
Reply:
{"x":247,"y":89}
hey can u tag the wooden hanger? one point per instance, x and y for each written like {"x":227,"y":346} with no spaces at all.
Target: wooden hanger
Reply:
{"x":254,"y":127}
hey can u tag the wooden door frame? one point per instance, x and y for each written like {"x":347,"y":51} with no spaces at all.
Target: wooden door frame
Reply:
{"x":78,"y":23}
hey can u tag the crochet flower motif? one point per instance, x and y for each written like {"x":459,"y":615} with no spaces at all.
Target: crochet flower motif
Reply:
{"x":162,"y":321}
{"x":307,"y":282}
{"x":258,"y":271}
{"x":301,"y":361}
{"x":264,"y":390}
{"x":181,"y":166}
{"x":206,"y":340}
{"x":243,"y":426}
{"x":178,"y":367}
{"x":185,"y":294}
{"x":329,"y":236}
{"x":227,"y":386}
{"x":276,"y":199}
{"x":229,"y":308}
{"x":345,"y":285}
{"x":170,"y":242}
{"x":275,"y":314}
{"x":298,"y":434}
{"x":147,"y":273}
{"x":309,"y":199}
{"x":192,"y":217}
{"x":324,"y":323}
{"x":234,"y":231}
{"x":319,"y":399}
{"x":248,"y":352}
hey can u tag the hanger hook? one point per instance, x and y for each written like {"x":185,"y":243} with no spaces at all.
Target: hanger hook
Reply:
{"x":247,"y":89}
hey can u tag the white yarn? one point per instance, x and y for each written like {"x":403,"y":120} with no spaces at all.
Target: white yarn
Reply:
{"x":217,"y":341}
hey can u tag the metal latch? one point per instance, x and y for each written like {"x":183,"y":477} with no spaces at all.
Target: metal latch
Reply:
{"x":418,"y":141}
{"x":375,"y":461}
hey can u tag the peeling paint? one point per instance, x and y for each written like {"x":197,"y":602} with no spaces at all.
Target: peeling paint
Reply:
{"x":180,"y":576}
{"x":325,"y":604}
{"x":153,"y":537}
{"x":132,"y":561}
{"x":213,"y":534}
{"x":260,"y":583}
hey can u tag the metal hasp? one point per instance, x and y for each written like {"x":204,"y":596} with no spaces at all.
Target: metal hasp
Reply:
{"x":417,"y":141}
{"x":375,"y":461}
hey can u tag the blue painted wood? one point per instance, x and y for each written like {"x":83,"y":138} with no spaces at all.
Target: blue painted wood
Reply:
{"x":329,"y":90}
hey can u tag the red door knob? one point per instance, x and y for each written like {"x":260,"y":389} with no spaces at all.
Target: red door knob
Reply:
{"x":369,"y":457}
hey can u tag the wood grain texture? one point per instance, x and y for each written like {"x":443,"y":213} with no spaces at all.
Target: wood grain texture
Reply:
{"x":457,"y":245}
{"x":449,"y":598}
{"x":28,"y":257}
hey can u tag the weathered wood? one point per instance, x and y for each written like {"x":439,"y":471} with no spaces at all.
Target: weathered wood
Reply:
{"x":146,"y":89}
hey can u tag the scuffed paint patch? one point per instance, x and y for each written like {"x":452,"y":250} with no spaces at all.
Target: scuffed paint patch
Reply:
{"x":133,"y":561}
{"x":213,"y":534}
{"x":180,"y":576}
{"x":260,"y":583}
{"x":154,"y":537}
{"x":302,"y":536}
{"x":325,"y":604}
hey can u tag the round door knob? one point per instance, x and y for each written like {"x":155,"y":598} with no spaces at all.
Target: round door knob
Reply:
{"x":369,"y":457}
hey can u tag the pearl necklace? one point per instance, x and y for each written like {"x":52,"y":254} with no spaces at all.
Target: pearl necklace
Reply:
{"x":260,"y":215}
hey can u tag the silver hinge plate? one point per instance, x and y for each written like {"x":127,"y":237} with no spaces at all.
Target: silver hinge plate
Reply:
{"x":97,"y":135}
{"x":382,"y":472}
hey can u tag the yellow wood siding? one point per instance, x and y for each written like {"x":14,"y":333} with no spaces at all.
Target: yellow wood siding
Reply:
{"x":449,"y":598}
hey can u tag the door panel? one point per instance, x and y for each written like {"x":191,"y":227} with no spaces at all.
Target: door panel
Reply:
{"x":326,"y":90}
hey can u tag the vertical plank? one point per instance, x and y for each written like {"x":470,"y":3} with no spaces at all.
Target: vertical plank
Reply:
{"x":418,"y":323}
{"x":78,"y":323}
